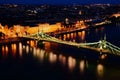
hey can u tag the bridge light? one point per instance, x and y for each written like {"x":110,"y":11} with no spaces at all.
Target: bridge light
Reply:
{"x":104,"y":46}
{"x":100,"y":41}
{"x":103,"y":56}
{"x":101,"y":47}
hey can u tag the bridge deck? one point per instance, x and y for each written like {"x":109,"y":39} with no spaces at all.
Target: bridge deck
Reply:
{"x":100,"y":46}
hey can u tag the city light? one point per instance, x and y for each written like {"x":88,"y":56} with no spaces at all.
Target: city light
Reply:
{"x":67,"y":42}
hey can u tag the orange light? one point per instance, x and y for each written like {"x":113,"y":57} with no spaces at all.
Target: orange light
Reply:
{"x":103,"y":56}
{"x":83,"y":35}
{"x":6,"y":49}
{"x":14,"y":47}
{"x":52,"y":57}
{"x":62,"y":59}
{"x":20,"y":49}
{"x":82,"y":66}
{"x":100,"y":70}
{"x":3,"y":49}
{"x":71,"y":63}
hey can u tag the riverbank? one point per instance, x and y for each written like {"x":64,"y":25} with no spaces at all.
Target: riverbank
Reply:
{"x":10,"y":40}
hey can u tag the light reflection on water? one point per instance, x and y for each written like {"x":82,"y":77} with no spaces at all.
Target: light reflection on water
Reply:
{"x":82,"y":66}
{"x":71,"y":63}
{"x":100,"y":70}
{"x":5,"y":50}
{"x":72,"y":36}
{"x":62,"y":59}
{"x":14,"y":47}
{"x":27,"y":49}
{"x":83,"y":35}
{"x":42,"y":55}
{"x":52,"y":57}
{"x":68,"y":62}
{"x":20,"y":49}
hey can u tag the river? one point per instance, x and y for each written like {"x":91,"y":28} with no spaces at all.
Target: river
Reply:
{"x":60,"y":62}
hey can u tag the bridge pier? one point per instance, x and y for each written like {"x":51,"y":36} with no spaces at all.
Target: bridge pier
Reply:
{"x":40,"y":43}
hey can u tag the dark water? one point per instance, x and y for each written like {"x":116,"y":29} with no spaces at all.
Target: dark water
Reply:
{"x":60,"y":62}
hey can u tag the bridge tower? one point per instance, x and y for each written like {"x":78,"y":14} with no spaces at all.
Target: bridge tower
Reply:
{"x":103,"y":44}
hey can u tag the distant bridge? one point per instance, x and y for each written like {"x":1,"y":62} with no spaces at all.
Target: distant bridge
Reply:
{"x":101,"y":46}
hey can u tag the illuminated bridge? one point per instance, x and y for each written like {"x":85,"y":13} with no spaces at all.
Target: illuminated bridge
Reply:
{"x":101,"y":46}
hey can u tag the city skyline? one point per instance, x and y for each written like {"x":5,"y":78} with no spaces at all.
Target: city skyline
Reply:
{"x":59,"y":1}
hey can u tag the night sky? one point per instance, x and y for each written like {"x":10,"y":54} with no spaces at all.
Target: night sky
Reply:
{"x":58,"y":1}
